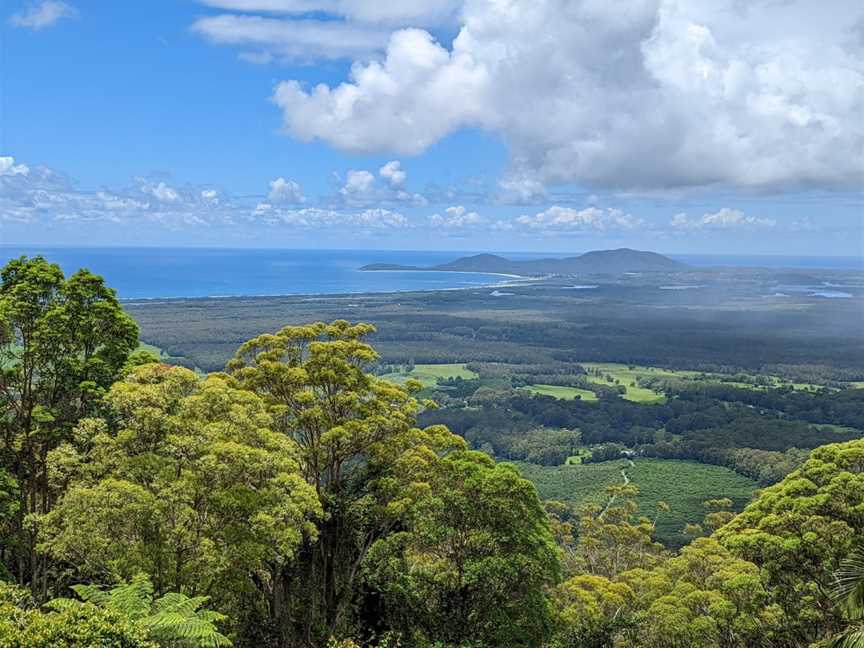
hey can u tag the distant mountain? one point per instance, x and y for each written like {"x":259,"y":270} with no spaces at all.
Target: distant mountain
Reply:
{"x":597,"y":262}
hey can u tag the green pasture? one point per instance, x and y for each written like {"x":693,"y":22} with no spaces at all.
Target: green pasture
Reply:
{"x":562,"y":392}
{"x":428,"y":374}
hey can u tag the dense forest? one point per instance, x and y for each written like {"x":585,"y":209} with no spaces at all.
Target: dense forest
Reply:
{"x":730,"y":323}
{"x":294,"y":498}
{"x":694,"y":425}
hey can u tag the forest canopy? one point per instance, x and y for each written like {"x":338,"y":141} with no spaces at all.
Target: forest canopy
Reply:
{"x":293,"y":500}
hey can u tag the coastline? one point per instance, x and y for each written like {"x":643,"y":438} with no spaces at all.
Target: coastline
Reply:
{"x":523,"y":281}
{"x":494,"y":274}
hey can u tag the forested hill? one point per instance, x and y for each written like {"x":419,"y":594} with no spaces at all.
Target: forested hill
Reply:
{"x":597,"y":262}
{"x":298,"y":500}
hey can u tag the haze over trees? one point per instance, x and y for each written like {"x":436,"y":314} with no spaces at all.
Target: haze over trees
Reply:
{"x":293,"y":500}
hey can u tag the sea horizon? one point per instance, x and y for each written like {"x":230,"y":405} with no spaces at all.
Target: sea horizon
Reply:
{"x":145,"y":272}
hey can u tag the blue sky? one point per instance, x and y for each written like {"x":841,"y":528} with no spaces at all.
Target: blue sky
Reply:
{"x":674,"y":125}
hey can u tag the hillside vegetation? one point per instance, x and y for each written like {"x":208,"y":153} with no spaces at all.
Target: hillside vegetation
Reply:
{"x":684,"y":485}
{"x":297,"y":500}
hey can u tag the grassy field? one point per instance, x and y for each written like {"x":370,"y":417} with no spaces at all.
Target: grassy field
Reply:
{"x":625,"y":376}
{"x":143,"y":346}
{"x":428,"y":374}
{"x":582,"y":454}
{"x":684,"y":485}
{"x":562,"y":392}
{"x":577,"y":484}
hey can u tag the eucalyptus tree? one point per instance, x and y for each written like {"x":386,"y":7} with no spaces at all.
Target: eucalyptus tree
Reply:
{"x":359,"y":449}
{"x":62,"y":343}
{"x":798,"y":532}
{"x":472,"y":560}
{"x":185,"y":481}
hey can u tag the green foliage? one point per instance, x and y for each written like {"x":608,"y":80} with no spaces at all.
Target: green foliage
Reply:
{"x":185,"y":482}
{"x":799,"y":530}
{"x":546,"y":447}
{"x":703,"y":598}
{"x":473,"y":558}
{"x":172,"y":621}
{"x":298,"y":496}
{"x":70,"y":626}
{"x":138,"y":358}
{"x":357,"y":445}
{"x":684,"y":485}
{"x":612,"y":539}
{"x":849,"y":592}
{"x":592,"y":611}
{"x":62,"y":343}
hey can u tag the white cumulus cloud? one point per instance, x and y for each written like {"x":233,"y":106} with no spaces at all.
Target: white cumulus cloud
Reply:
{"x":364,"y":188}
{"x":634,"y":95}
{"x":43,"y":14}
{"x":359,"y":186}
{"x":417,"y":95}
{"x":161,"y":192}
{"x":724,"y":218}
{"x":285,"y":191}
{"x":393,"y":173}
{"x":457,"y":217}
{"x":9,"y":168}
{"x":567,"y":219}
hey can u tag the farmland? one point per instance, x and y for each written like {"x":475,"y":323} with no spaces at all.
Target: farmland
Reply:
{"x":558,"y":391}
{"x":684,"y":485}
{"x":428,"y":374}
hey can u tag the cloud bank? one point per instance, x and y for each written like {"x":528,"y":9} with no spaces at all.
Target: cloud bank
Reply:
{"x":367,"y":204}
{"x":633,"y":95}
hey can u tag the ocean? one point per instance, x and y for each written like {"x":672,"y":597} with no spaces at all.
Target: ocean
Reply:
{"x":153,"y":273}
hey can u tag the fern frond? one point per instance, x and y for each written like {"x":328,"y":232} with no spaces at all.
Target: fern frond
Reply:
{"x":61,"y":604}
{"x":174,"y":620}
{"x":174,"y":601}
{"x":184,"y":630}
{"x":92,"y":594}
{"x":133,"y":599}
{"x":854,"y":639}
{"x":850,"y":581}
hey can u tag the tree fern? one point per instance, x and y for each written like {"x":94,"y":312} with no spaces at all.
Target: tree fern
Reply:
{"x":849,"y":590}
{"x":173,"y":620}
{"x":133,"y":599}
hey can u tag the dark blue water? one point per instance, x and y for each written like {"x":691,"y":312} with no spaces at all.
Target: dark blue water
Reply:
{"x":137,"y":273}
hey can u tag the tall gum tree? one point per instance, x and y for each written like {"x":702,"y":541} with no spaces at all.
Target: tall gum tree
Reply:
{"x":184,"y":480}
{"x":63,"y":342}
{"x":798,"y":532}
{"x":358,"y":447}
